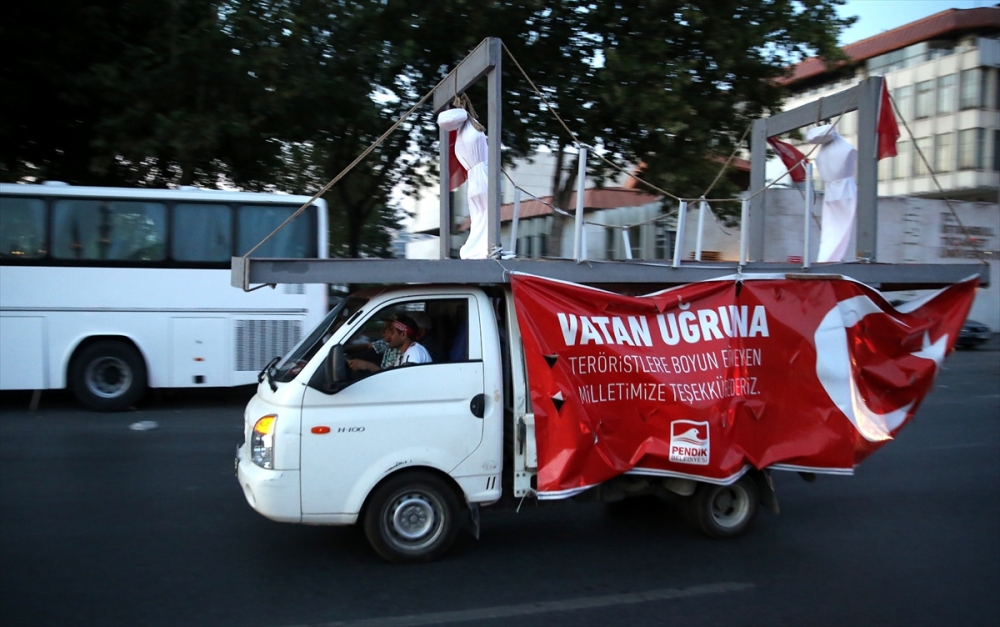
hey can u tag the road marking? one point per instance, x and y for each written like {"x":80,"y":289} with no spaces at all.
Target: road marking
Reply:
{"x":528,"y":609}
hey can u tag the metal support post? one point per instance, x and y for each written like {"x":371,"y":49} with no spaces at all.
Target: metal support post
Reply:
{"x":807,"y":224}
{"x":679,"y":238}
{"x":744,"y":227}
{"x":702,"y":208}
{"x":495,"y":96}
{"x":581,"y":187}
{"x":513,"y":224}
{"x":444,"y":231}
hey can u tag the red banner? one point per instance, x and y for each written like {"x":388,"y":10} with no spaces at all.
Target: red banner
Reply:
{"x":709,"y":379}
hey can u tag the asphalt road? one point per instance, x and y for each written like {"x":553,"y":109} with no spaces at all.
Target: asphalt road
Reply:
{"x":102,"y":525}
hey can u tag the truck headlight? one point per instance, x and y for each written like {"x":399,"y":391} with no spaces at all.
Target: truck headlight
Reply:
{"x":262,"y":441}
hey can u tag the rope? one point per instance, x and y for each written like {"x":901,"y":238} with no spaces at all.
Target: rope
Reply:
{"x":615,"y":166}
{"x":726,"y":164}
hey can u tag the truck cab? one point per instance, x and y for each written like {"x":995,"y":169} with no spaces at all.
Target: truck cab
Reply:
{"x":403,"y":450}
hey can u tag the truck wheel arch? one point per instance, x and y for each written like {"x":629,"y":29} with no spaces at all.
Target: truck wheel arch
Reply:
{"x":413,"y":515}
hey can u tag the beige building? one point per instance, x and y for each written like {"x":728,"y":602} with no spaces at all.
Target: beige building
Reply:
{"x":942,"y":73}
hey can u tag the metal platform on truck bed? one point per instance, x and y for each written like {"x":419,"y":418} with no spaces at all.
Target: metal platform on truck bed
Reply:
{"x":631,"y":275}
{"x":250,"y":272}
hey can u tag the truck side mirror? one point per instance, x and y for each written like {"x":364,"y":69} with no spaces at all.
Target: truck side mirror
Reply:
{"x":336,"y":366}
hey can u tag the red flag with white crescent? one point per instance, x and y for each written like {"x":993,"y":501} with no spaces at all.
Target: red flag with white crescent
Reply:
{"x":709,"y":379}
{"x":791,"y":157}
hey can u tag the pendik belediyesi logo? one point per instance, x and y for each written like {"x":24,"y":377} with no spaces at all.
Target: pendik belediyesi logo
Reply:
{"x":689,"y":442}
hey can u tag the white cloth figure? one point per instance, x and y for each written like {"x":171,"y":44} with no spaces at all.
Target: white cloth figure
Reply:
{"x":471,"y":150}
{"x":837,"y":161}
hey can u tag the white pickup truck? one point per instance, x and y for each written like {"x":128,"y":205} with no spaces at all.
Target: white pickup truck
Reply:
{"x":413,"y":452}
{"x":547,"y":389}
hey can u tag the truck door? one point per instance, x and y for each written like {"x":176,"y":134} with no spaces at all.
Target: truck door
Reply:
{"x":410,"y":415}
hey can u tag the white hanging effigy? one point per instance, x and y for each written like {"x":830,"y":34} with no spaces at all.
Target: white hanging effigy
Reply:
{"x":837,"y":162}
{"x":471,"y":150}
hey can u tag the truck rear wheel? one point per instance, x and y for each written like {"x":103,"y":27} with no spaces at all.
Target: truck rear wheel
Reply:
{"x":723,"y":511}
{"x":412,"y":517}
{"x":108,"y":376}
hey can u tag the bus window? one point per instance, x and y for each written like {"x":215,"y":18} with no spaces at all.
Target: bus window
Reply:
{"x":201,"y":233}
{"x":108,"y":230}
{"x":22,"y":228}
{"x":297,"y":240}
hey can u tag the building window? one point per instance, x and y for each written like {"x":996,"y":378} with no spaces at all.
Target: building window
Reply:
{"x":970,"y":94}
{"x":885,"y":169}
{"x":925,"y":99}
{"x":996,"y":150}
{"x":610,"y":241}
{"x":946,"y":92}
{"x":923,"y":156}
{"x":970,"y":149}
{"x":904,"y":101}
{"x":665,"y":242}
{"x":944,"y":153}
{"x":938,"y":49}
{"x":901,"y":163}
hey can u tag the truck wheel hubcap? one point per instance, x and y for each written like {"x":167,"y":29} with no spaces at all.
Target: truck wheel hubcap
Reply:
{"x":413,"y":517}
{"x":730,"y":506}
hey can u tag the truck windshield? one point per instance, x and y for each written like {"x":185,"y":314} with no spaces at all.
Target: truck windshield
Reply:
{"x":299,"y":356}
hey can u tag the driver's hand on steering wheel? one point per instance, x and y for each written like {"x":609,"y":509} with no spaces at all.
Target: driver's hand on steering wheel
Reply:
{"x":361,"y":364}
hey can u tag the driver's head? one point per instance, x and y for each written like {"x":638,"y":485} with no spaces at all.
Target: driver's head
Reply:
{"x":400,"y":330}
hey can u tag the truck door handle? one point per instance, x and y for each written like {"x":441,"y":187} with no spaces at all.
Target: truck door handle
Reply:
{"x":478,"y":405}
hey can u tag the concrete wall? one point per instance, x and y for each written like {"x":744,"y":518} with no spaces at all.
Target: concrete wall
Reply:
{"x":910,"y":230}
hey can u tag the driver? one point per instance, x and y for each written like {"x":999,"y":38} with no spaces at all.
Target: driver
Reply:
{"x":401,"y":334}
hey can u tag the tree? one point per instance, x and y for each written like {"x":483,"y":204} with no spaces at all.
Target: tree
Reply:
{"x":668,"y":83}
{"x":284,"y":94}
{"x":260,"y":94}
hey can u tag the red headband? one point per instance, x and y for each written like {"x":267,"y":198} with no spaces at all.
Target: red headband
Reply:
{"x":401,"y":326}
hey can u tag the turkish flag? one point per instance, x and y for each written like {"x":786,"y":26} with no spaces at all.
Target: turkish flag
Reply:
{"x":791,"y":157}
{"x":709,"y":379}
{"x":456,"y":171}
{"x":888,"y":128}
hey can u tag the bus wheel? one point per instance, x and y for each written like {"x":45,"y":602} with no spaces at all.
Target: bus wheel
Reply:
{"x":412,"y":518}
{"x":108,"y":376}
{"x":723,"y":511}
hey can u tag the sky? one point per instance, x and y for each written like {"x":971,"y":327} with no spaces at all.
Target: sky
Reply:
{"x":876,"y":16}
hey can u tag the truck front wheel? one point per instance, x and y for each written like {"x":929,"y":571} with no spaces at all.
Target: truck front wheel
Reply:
{"x":723,"y":511}
{"x":412,"y":518}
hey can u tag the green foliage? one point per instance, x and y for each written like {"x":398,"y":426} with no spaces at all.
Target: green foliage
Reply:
{"x":278,"y":94}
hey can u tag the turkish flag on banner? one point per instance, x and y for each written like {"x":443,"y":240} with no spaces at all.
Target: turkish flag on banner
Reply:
{"x":888,"y":128}
{"x":709,"y":379}
{"x":456,"y":171}
{"x":791,"y":157}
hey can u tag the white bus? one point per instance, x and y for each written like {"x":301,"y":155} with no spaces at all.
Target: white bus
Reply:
{"x":111,"y":291}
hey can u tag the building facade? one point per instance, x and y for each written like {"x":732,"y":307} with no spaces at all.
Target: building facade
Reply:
{"x":942,"y":72}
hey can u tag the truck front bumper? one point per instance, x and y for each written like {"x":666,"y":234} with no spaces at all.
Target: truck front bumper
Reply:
{"x":273,"y":493}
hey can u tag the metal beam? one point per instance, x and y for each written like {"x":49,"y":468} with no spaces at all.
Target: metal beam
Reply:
{"x":758,"y":166}
{"x":444,"y":189}
{"x":483,"y":61}
{"x":495,"y":113}
{"x":866,"y":219}
{"x":251,"y":272}
{"x":471,"y":69}
{"x":864,"y":98}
